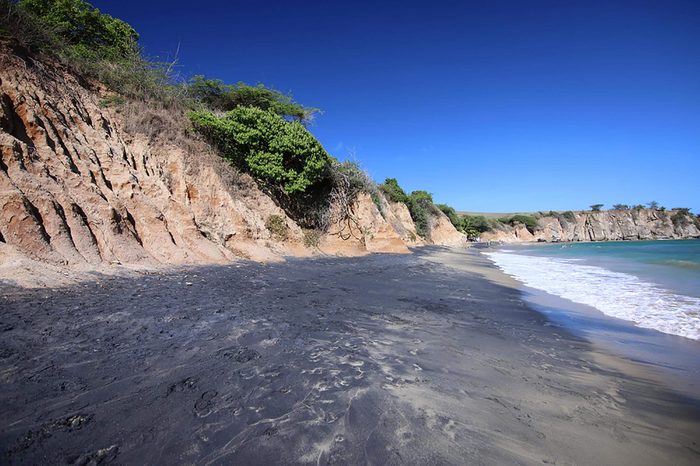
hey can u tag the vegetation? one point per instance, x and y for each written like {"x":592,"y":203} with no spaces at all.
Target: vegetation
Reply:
{"x":347,"y":180}
{"x":277,"y":227}
{"x":527,"y":220}
{"x":84,"y":29}
{"x":621,"y":207}
{"x":92,"y":43}
{"x":312,"y":238}
{"x":420,"y":205}
{"x":681,"y":217}
{"x":272,"y":149}
{"x":393,"y":191}
{"x":596,"y":207}
{"x":569,"y":215}
{"x":455,"y":219}
{"x":216,"y":95}
{"x":474,"y":225}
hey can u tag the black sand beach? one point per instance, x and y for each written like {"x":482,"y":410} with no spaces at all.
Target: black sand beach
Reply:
{"x":385,"y":359}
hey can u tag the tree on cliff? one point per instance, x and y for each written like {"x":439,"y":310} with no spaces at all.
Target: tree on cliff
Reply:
{"x":597,"y":207}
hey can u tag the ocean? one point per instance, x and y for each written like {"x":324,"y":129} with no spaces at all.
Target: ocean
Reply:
{"x":650,"y":284}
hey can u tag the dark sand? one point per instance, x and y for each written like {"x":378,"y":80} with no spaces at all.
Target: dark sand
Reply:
{"x":432,"y":358}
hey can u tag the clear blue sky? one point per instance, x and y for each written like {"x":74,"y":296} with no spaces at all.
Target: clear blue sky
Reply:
{"x":490,"y":105}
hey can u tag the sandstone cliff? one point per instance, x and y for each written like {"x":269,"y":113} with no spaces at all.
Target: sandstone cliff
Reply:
{"x":612,"y":225}
{"x":85,"y":183}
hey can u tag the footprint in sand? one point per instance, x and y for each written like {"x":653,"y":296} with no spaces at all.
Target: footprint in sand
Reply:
{"x":204,"y":405}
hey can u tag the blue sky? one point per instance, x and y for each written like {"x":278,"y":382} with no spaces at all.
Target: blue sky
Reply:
{"x":496,"y":105}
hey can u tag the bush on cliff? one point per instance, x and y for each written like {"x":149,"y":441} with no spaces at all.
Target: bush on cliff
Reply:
{"x":92,"y":43}
{"x":216,"y":95}
{"x":420,"y":205}
{"x":393,"y":191}
{"x":527,"y":220}
{"x":451,"y":214}
{"x":681,"y":217}
{"x":276,"y":151}
{"x":84,"y":28}
{"x":477,"y":223}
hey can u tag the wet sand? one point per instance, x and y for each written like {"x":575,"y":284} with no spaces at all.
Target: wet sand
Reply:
{"x":432,"y":358}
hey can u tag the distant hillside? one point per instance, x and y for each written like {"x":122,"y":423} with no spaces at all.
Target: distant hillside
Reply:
{"x":608,"y":225}
{"x":495,"y":215}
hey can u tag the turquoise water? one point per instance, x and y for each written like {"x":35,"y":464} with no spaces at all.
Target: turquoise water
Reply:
{"x":653,"y":284}
{"x":675,"y":264}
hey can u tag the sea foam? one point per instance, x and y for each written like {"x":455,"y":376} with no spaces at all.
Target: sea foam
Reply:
{"x":616,"y":294}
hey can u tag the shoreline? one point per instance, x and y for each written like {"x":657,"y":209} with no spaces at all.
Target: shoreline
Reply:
{"x":532,"y":243}
{"x":663,"y":357}
{"x":422,"y":358}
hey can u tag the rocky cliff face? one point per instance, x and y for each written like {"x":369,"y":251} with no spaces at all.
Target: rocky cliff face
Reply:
{"x":83,"y":183}
{"x":638,"y":224}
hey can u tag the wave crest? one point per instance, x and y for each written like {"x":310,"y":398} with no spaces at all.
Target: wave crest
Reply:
{"x":616,"y":294}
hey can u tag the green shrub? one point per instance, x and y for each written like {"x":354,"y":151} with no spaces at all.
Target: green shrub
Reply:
{"x":84,"y":28}
{"x":91,"y":43}
{"x":472,"y":233}
{"x":112,"y":101}
{"x":596,"y":207}
{"x":393,"y":191}
{"x":569,"y":215}
{"x":350,"y":177}
{"x":477,"y":223}
{"x":621,"y":207}
{"x":681,"y":217}
{"x":529,"y":222}
{"x":421,"y":207}
{"x":312,"y":238}
{"x":279,"y":152}
{"x":217,"y":95}
{"x":451,"y":214}
{"x":276,"y":225}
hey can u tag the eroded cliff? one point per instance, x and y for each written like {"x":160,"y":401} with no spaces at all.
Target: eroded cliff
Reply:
{"x":84,"y":183}
{"x":612,"y":225}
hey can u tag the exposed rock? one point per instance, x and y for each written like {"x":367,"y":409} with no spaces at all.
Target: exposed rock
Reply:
{"x":397,"y":214}
{"x":83,"y":184}
{"x":77,"y":189}
{"x":366,"y":231}
{"x":613,"y":225}
{"x":444,"y":233}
